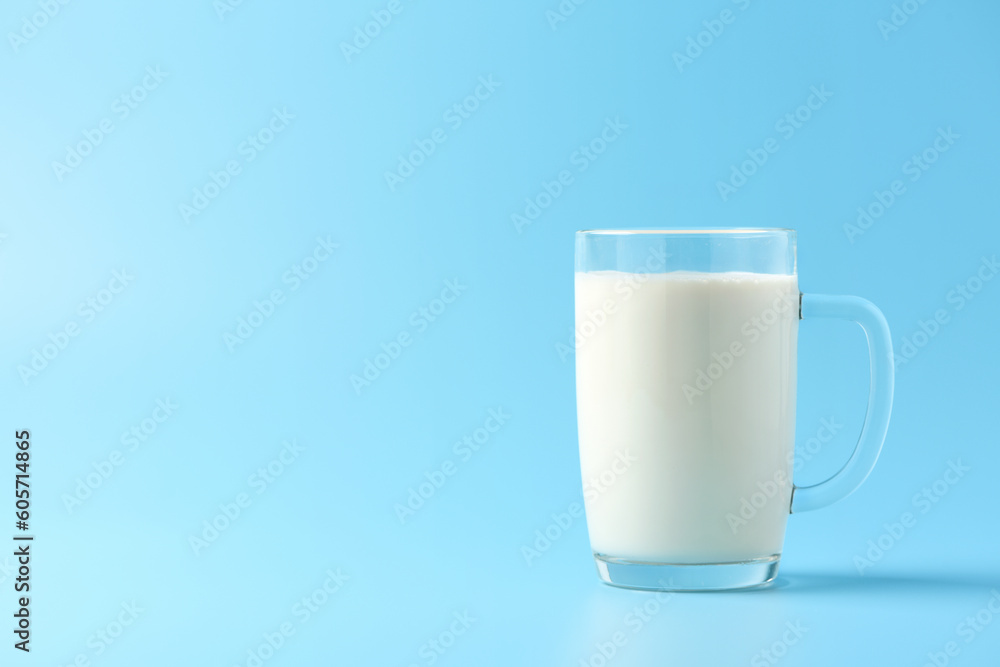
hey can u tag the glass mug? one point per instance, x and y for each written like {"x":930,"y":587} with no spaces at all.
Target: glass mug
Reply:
{"x":685,"y":376}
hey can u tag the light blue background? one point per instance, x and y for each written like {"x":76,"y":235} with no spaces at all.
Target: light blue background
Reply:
{"x":495,"y":346}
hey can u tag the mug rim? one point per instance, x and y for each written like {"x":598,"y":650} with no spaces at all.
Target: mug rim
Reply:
{"x":690,"y":232}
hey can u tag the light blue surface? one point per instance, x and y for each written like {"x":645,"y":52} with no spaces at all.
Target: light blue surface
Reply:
{"x":879,"y":97}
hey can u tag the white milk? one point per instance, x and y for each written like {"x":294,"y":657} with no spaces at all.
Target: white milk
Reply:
{"x":690,"y":379}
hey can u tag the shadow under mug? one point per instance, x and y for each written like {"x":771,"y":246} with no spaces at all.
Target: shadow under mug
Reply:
{"x":686,"y":344}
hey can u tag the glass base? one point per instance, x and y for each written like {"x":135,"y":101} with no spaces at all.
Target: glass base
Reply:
{"x":684,"y":577}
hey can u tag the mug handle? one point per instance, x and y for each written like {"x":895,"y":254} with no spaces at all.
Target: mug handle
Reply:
{"x":858,"y":467}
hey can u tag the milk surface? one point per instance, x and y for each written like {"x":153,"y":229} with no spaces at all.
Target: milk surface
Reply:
{"x":691,"y":378}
